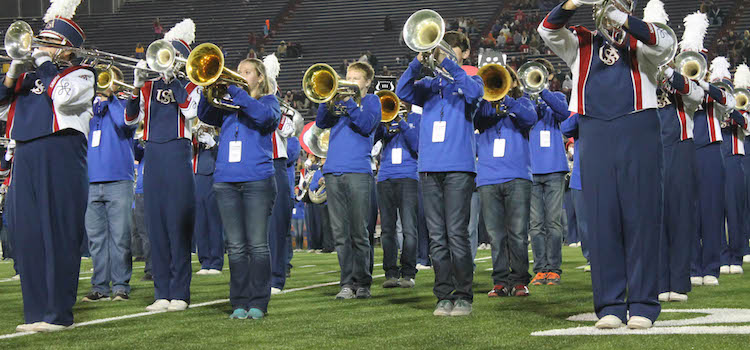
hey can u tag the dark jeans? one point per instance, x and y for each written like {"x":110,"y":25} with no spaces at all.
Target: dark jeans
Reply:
{"x":245,"y":209}
{"x":506,"y":214}
{"x":545,"y":221}
{"x":349,"y":209}
{"x":139,"y":230}
{"x":423,"y":239}
{"x":447,"y":203}
{"x":398,"y":196}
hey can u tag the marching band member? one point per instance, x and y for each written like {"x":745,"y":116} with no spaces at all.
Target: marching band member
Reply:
{"x":447,"y":169}
{"x":397,"y":197}
{"x":711,"y":172}
{"x":109,"y":212}
{"x":166,"y":106}
{"x":293,"y":149}
{"x":208,"y":232}
{"x":349,"y":182}
{"x":504,"y":182}
{"x":569,"y":128}
{"x":245,"y":186}
{"x":49,"y":119}
{"x":139,"y":210}
{"x":621,"y":173}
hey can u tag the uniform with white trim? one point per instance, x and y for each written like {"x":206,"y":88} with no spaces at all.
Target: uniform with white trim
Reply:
{"x":734,"y":130}
{"x":208,"y":235}
{"x":281,"y":215}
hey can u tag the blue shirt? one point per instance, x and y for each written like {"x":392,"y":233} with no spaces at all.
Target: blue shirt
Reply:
{"x":110,"y":149}
{"x":545,"y":139}
{"x":406,"y":144}
{"x":139,"y":151}
{"x":299,"y":210}
{"x":292,"y":149}
{"x":352,"y":135}
{"x":251,"y":126}
{"x":443,"y":101}
{"x":569,"y":128}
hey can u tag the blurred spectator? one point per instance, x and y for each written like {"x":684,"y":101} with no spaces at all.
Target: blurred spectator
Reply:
{"x":252,"y":41}
{"x":387,"y":24}
{"x":267,"y":29}
{"x":158,"y":29}
{"x":281,"y":49}
{"x":386,"y":72}
{"x":140,"y":51}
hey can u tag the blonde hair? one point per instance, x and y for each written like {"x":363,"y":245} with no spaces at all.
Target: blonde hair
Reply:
{"x":260,"y":68}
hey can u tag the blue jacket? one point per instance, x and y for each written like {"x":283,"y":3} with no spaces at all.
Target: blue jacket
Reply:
{"x":139,"y":151}
{"x":503,"y":142}
{"x":550,"y":158}
{"x":454,"y":103}
{"x":251,"y":125}
{"x":569,"y":128}
{"x":352,"y":135}
{"x":406,"y":141}
{"x":299,"y":210}
{"x":292,"y":149}
{"x":112,"y":158}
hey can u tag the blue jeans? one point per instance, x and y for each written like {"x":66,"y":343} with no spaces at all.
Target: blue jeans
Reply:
{"x":108,"y":221}
{"x":545,"y":221}
{"x":398,"y":196}
{"x":476,"y":208}
{"x":506,"y":214}
{"x":245,"y":209}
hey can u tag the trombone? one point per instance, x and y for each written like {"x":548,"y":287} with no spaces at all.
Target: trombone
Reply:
{"x":205,"y":67}
{"x":321,"y":84}
{"x":424,"y":32}
{"x":391,"y":107}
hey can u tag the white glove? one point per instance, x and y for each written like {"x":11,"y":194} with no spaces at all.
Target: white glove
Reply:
{"x":40,"y":57}
{"x":616,"y":16}
{"x":579,"y":3}
{"x":704,"y":85}
{"x":17,"y":67}
{"x":668,"y":72}
{"x":169,"y":74}
{"x":140,"y":74}
{"x":206,"y":139}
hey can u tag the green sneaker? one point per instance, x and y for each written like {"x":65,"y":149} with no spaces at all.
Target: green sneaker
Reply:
{"x":443,"y":308}
{"x":238,"y":314}
{"x":255,"y":314}
{"x":461,"y":308}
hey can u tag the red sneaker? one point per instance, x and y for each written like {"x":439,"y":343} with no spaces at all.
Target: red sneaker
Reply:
{"x":520,"y":291}
{"x":499,"y":291}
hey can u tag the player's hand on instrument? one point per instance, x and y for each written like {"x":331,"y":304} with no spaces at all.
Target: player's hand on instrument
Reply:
{"x":17,"y":67}
{"x":439,"y":55}
{"x":169,"y":74}
{"x":616,"y":16}
{"x":205,"y":138}
{"x":140,"y":74}
{"x":40,"y":57}
{"x":579,"y":3}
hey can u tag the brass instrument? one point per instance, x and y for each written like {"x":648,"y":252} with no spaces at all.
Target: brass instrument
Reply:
{"x":317,"y":140}
{"x":724,"y":87}
{"x":742,"y":99}
{"x":533,"y":77}
{"x":390,"y":106}
{"x":691,"y":65}
{"x":320,"y":195}
{"x":322,"y":84}
{"x":138,"y":135}
{"x":199,"y":126}
{"x":205,"y":67}
{"x":161,"y":56}
{"x":497,"y":82}
{"x":423,"y":32}
{"x":107,"y":77}
{"x":612,"y":32}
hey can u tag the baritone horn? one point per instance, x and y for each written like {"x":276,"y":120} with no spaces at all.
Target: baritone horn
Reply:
{"x":321,"y":84}
{"x":497,"y":81}
{"x":205,"y":67}
{"x":691,"y":65}
{"x":424,"y":32}
{"x":390,"y":106}
{"x":742,"y":99}
{"x":109,"y":77}
{"x":534,"y":77}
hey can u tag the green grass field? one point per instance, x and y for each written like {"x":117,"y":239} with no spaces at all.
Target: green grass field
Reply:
{"x":392,"y":319}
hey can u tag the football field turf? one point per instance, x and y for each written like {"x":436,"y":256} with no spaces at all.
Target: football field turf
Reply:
{"x":308,"y":317}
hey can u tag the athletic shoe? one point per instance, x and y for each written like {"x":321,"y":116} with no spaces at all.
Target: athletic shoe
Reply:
{"x":48,"y":327}
{"x":16,"y":277}
{"x":406,"y":283}
{"x":275,"y":291}
{"x":177,"y":305}
{"x":121,"y":295}
{"x":499,"y":291}
{"x":572,"y":245}
{"x":553,"y":278}
{"x":539,"y":279}
{"x":710,"y":281}
{"x":461,"y":308}
{"x":202,"y":272}
{"x":443,"y":308}
{"x":674,"y":296}
{"x":391,"y":283}
{"x":94,"y":297}
{"x":664,"y":297}
{"x":26,"y":327}
{"x":587,"y":268}
{"x":609,"y":322}
{"x":158,"y":305}
{"x":255,"y":314}
{"x":147,"y":277}
{"x":238,"y":314}
{"x":520,"y":291}
{"x":213,"y":272}
{"x":724,"y":269}
{"x":736,"y":270}
{"x":423,"y":267}
{"x":696,"y":281}
{"x":363,"y":293}
{"x":639,"y":322}
{"x":746,"y":258}
{"x":346,"y":293}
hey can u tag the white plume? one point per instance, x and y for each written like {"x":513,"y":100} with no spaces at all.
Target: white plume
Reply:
{"x":696,"y":25}
{"x":184,"y":30}
{"x":742,"y":77}
{"x":654,"y":12}
{"x":720,"y":69}
{"x":62,"y":8}
{"x":272,"y":69}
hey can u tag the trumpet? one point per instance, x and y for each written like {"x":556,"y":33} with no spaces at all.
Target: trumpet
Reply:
{"x":199,"y":126}
{"x":391,"y":106}
{"x":424,"y":32}
{"x":534,"y":78}
{"x":321,"y":84}
{"x":107,"y":77}
{"x":691,"y":65}
{"x":497,"y":82}
{"x":742,"y":99}
{"x":205,"y":67}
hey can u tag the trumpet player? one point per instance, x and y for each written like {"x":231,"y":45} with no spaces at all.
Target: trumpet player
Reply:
{"x":49,"y":118}
{"x":620,"y":172}
{"x":245,"y":185}
{"x":110,"y":202}
{"x":447,"y":168}
{"x":166,"y":106}
{"x":348,"y":178}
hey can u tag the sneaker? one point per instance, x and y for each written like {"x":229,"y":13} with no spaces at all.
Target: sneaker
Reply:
{"x":461,"y":308}
{"x":213,"y":272}
{"x":499,"y":291}
{"x":391,"y":283}
{"x":255,"y":314}
{"x":202,"y":272}
{"x":746,"y":258}
{"x":674,"y":296}
{"x":639,"y":322}
{"x":443,"y":308}
{"x":406,"y":282}
{"x":724,"y":270}
{"x":539,"y":279}
{"x":238,"y":314}
{"x":94,"y":297}
{"x":363,"y":293}
{"x":736,"y":270}
{"x":572,"y":245}
{"x":696,"y":281}
{"x":423,"y":267}
{"x":275,"y":291}
{"x":158,"y":305}
{"x":609,"y":322}
{"x":16,"y":277}
{"x":26,"y":327}
{"x":587,"y":268}
{"x":48,"y":327}
{"x":177,"y":305}
{"x":553,"y":278}
{"x":520,"y":291}
{"x":664,"y":297}
{"x":139,"y":259}
{"x":710,"y":281}
{"x":120,"y":295}
{"x":346,"y":293}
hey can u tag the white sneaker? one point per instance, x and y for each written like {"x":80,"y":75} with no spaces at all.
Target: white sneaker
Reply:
{"x":674,"y":296}
{"x":202,"y":272}
{"x":710,"y":281}
{"x":609,"y":322}
{"x":423,"y":267}
{"x":639,"y":322}
{"x":587,"y":268}
{"x":26,"y":327}
{"x":572,"y":245}
{"x":213,"y":272}
{"x":17,"y":277}
{"x":696,"y":281}
{"x":724,"y":269}
{"x":158,"y":305}
{"x":664,"y":297}
{"x":275,"y":291}
{"x":177,"y":305}
{"x":746,"y":258}
{"x":736,"y":270}
{"x":48,"y":327}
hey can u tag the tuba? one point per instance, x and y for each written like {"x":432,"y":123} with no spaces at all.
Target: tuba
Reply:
{"x":691,"y":65}
{"x":317,"y":140}
{"x":319,"y":195}
{"x":742,"y":99}
{"x":423,"y":32}
{"x":205,"y":67}
{"x":497,"y":81}
{"x":534,"y":77}
{"x":391,"y":106}
{"x":321,"y":84}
